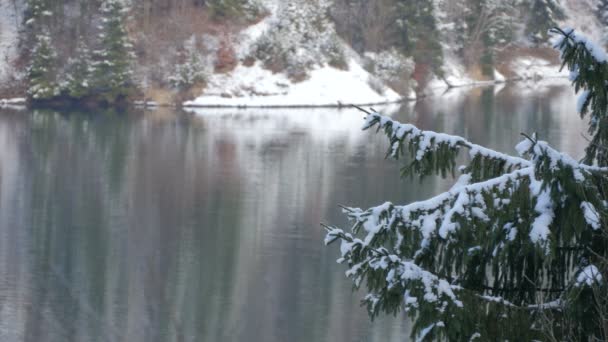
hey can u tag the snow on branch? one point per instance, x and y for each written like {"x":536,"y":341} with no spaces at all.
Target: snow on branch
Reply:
{"x":541,"y":152}
{"x":568,"y":38}
{"x":436,"y":152}
{"x":395,"y":276}
{"x":588,"y":66}
{"x":408,"y":251}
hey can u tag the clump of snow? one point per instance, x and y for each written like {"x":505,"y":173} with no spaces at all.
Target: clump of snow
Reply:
{"x":591,"y":215}
{"x":595,"y":50}
{"x":498,"y":77}
{"x":589,"y":276}
{"x":257,"y":87}
{"x":582,"y":99}
{"x":544,"y":207}
{"x":455,"y":74}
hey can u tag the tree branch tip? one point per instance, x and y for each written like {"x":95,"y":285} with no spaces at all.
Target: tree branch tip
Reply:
{"x":361,"y":109}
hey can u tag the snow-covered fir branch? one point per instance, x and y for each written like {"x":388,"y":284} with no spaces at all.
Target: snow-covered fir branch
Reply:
{"x":429,"y":150}
{"x":511,"y":227}
{"x":588,"y":65}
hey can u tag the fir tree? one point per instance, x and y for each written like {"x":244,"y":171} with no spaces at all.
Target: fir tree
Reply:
{"x":225,"y":8}
{"x":77,"y":82}
{"x":249,"y":9}
{"x":544,"y":14}
{"x":41,"y":71}
{"x":36,"y":14}
{"x":516,"y":250}
{"x":492,"y":25}
{"x":113,"y":62}
{"x":417,"y":33}
{"x":191,"y":69}
{"x":39,"y":50}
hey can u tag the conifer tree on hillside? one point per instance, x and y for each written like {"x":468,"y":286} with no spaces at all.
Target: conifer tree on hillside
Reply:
{"x":417,"y":33}
{"x":41,"y":71}
{"x":113,"y":61}
{"x":191,"y":68}
{"x":225,"y":8}
{"x":491,"y":25}
{"x":544,"y":14}
{"x":36,"y":15}
{"x":516,"y":250}
{"x":38,"y":47}
{"x":77,"y":83}
{"x":246,"y":9}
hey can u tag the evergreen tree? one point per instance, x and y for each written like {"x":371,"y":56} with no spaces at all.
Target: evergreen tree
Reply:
{"x":38,"y":49}
{"x":36,"y":14}
{"x":544,"y":14}
{"x":417,"y":33}
{"x":249,"y":9}
{"x":77,"y":82}
{"x":41,"y":71}
{"x":113,"y":62}
{"x":516,"y":250}
{"x":492,"y":25}
{"x":191,"y":68}
{"x":225,"y":8}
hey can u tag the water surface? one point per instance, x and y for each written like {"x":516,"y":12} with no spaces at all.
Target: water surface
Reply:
{"x":175,"y":226}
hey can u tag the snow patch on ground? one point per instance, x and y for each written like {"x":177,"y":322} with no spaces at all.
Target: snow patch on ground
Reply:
{"x":532,"y":68}
{"x":455,"y":74}
{"x":10,"y":22}
{"x":257,"y":87}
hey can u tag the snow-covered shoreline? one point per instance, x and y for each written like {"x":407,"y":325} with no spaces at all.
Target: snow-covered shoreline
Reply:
{"x":431,"y":92}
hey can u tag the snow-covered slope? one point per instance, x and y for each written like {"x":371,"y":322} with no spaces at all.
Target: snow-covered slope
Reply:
{"x":254,"y":85}
{"x":326,"y":86}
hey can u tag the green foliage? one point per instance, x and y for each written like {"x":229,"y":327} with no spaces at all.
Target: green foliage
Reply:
{"x":544,"y":15}
{"x":78,"y":73}
{"x":191,"y":70}
{"x":516,"y":250}
{"x":417,"y":33}
{"x":113,"y":61}
{"x":225,"y":8}
{"x":41,"y":71}
{"x":247,"y":9}
{"x":108,"y":78}
{"x":36,"y":12}
{"x":490,"y":25}
{"x":589,"y":72}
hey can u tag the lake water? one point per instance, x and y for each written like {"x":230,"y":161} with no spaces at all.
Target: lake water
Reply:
{"x":165,"y":226}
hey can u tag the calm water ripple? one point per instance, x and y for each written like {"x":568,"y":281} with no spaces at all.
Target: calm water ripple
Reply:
{"x":162,"y":226}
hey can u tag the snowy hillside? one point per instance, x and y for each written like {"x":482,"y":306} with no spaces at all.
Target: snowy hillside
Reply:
{"x":288,"y":30}
{"x":293,"y":53}
{"x":326,"y":86}
{"x":259,"y":84}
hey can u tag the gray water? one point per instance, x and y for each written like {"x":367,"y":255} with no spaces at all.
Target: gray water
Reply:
{"x":178,"y":226}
